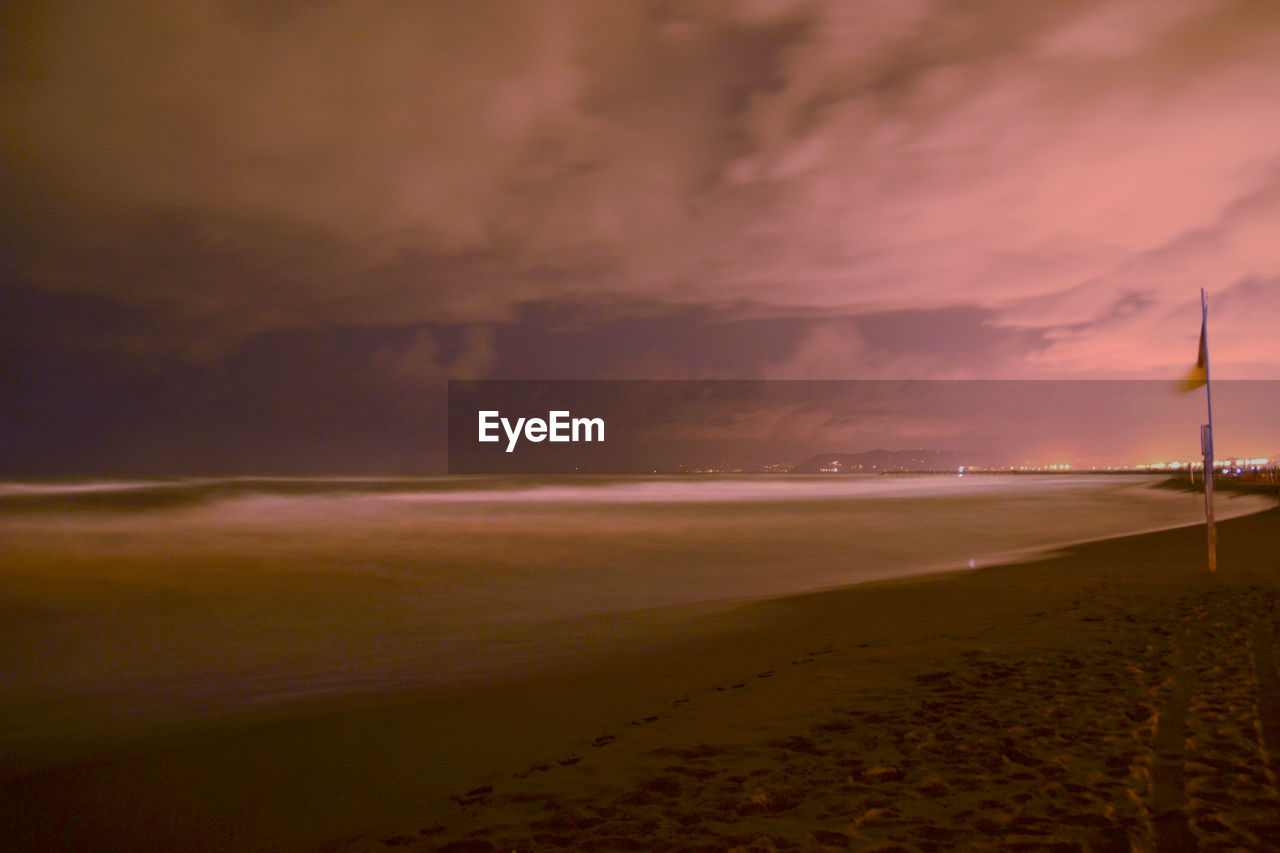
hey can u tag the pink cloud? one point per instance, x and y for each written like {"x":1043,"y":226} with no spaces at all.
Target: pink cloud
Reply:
{"x":447,"y":163}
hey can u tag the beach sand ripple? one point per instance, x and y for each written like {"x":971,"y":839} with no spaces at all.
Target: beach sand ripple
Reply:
{"x":1138,"y":713}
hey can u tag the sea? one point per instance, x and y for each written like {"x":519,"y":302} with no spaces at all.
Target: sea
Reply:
{"x":128,"y":604}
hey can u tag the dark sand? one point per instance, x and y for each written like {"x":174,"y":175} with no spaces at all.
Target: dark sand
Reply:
{"x":1115,"y":697}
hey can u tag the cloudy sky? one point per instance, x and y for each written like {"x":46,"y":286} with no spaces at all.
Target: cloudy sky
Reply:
{"x":260,"y":235}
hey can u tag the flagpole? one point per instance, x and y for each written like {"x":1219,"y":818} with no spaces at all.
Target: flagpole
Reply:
{"x":1206,"y":442}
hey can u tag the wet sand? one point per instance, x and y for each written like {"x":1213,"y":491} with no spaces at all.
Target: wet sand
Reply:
{"x":1114,"y":697}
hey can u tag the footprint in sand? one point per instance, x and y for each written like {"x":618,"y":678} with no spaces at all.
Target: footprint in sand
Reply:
{"x":475,"y":795}
{"x":398,"y":840}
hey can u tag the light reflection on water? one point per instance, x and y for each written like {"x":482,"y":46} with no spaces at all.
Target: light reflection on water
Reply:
{"x":208,"y":596}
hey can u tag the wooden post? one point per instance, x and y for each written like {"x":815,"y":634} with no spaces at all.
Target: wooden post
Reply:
{"x":1206,"y":438}
{"x":1206,"y":447}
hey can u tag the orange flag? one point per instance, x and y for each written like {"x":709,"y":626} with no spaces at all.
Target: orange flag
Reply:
{"x":1198,"y":376}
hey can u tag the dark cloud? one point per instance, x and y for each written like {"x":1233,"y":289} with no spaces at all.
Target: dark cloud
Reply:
{"x":744,"y":188}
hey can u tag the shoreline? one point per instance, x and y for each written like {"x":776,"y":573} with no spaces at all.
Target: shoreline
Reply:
{"x":651,"y":632}
{"x":77,"y":577}
{"x":417,"y":771}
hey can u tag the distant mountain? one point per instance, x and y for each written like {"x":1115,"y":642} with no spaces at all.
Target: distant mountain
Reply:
{"x":879,"y":461}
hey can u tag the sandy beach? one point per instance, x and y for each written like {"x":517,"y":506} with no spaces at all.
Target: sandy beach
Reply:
{"x":749,"y":425}
{"x":1112,"y":697}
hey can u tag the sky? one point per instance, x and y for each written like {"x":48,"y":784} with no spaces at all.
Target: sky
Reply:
{"x":667,"y":425}
{"x":242,"y":235}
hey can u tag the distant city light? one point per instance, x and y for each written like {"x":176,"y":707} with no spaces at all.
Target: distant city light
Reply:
{"x":1230,"y":466}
